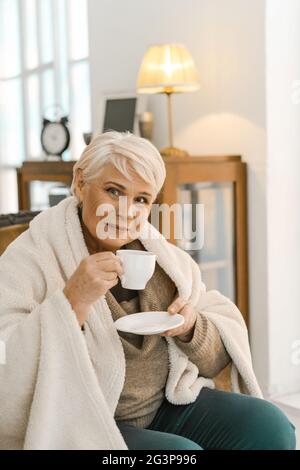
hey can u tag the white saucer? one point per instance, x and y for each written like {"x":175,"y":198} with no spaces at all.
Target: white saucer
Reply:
{"x":149,"y":323}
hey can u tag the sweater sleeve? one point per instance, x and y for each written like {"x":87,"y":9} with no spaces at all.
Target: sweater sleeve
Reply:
{"x":206,"y":349}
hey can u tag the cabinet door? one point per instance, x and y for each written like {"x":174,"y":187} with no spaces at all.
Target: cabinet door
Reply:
{"x":45,"y":194}
{"x":209,"y":235}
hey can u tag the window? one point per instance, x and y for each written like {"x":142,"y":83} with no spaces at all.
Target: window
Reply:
{"x":43,"y":63}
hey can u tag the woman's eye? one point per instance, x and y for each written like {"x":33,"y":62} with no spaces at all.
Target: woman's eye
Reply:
{"x":142,"y":200}
{"x":117,"y":192}
{"x":113,"y":191}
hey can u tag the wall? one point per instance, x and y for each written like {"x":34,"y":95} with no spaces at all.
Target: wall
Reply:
{"x":283,"y":170}
{"x":227,"y":114}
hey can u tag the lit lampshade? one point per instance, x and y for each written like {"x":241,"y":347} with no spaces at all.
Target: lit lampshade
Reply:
{"x":168,"y":68}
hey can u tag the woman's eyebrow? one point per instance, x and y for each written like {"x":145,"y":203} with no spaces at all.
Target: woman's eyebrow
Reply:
{"x":117,"y":184}
{"x":124,"y":187}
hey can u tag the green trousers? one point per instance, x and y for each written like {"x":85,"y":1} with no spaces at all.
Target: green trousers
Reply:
{"x":216,"y":420}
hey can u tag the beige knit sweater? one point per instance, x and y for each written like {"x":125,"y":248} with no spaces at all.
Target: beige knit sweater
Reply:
{"x":147,"y":356}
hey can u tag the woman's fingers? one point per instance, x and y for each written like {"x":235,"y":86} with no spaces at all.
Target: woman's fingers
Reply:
{"x":176,"y":331}
{"x":109,"y":275}
{"x":102,"y":256}
{"x":106,"y":258}
{"x":180,"y":305}
{"x":111,"y":265}
{"x":176,"y":305}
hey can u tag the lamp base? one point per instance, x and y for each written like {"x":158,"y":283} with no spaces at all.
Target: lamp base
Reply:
{"x":173,"y":152}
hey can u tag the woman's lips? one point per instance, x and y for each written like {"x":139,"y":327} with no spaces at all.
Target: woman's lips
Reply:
{"x":117,"y":227}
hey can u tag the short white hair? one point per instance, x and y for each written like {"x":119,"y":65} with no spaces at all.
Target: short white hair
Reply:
{"x":120,"y":148}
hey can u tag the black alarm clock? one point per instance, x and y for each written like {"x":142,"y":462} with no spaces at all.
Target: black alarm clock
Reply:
{"x":55,"y":136}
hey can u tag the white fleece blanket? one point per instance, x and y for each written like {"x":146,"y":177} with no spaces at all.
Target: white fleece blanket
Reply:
{"x":59,"y":388}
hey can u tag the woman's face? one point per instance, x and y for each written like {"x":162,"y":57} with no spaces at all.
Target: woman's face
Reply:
{"x":126,"y":202}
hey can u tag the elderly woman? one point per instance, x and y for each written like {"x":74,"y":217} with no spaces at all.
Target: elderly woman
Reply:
{"x":71,"y":380}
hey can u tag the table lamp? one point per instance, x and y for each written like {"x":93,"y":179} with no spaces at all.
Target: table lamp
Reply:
{"x":168,"y":68}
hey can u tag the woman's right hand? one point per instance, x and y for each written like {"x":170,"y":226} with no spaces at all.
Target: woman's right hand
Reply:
{"x":94,"y":276}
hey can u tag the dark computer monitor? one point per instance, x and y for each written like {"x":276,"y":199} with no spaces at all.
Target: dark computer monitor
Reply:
{"x":119,"y":114}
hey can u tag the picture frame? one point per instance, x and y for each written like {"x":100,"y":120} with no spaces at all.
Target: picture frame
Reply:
{"x":141,"y":106}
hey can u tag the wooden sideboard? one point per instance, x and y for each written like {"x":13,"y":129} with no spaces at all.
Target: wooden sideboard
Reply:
{"x":182,"y":172}
{"x":220,"y":170}
{"x":58,"y":171}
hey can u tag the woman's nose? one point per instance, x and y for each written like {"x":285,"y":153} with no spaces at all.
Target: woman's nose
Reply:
{"x":131,"y":212}
{"x":127,"y":208}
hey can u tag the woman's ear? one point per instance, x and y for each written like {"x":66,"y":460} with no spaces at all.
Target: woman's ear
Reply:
{"x":79,"y":183}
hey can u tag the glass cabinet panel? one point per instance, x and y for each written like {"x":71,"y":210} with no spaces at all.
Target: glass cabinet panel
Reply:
{"x":216,"y":255}
{"x":45,"y":194}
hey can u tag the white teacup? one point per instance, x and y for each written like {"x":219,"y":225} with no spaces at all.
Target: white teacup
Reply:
{"x":138,"y":268}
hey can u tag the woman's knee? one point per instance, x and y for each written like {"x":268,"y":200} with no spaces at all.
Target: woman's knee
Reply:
{"x":272,"y":428}
{"x":183,"y":443}
{"x":147,"y":439}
